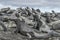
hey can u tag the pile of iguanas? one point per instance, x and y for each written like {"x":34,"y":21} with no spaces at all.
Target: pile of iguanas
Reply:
{"x":30,"y":22}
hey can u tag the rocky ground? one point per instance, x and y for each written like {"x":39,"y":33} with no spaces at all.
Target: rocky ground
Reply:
{"x":10,"y":35}
{"x":27,"y":16}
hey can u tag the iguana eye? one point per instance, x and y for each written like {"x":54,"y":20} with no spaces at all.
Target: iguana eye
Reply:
{"x":30,"y":24}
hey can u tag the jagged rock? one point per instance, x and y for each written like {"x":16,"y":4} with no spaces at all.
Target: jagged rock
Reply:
{"x":4,"y":10}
